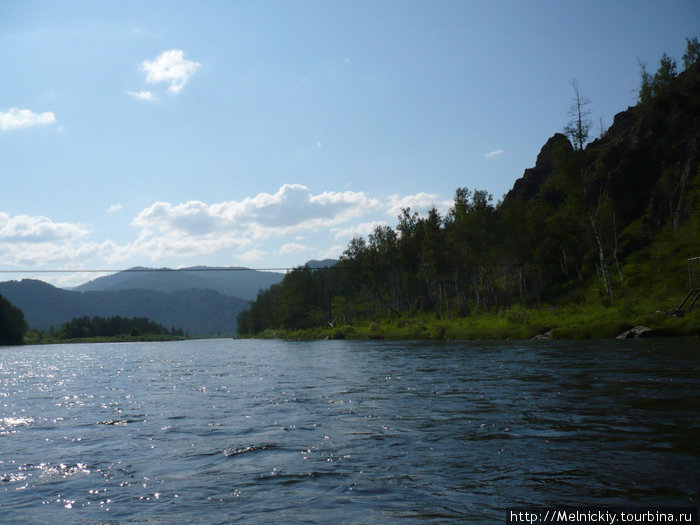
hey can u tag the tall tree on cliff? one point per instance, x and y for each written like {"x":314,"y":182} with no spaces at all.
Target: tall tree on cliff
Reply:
{"x":692,"y":52}
{"x":579,"y":126}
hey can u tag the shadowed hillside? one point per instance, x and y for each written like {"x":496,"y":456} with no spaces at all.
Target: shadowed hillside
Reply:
{"x":197,"y":312}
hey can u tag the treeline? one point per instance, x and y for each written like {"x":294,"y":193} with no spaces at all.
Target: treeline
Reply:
{"x":569,"y":220}
{"x":12,"y":323}
{"x":83,"y":327}
{"x":475,"y":258}
{"x":655,"y":85}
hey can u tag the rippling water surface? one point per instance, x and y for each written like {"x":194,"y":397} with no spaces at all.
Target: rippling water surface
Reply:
{"x":217,"y":431}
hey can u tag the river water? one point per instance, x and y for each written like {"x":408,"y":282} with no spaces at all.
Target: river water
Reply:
{"x":221,"y":431}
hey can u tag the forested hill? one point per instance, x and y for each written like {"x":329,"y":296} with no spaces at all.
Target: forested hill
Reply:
{"x":197,"y":312}
{"x":610,"y":221}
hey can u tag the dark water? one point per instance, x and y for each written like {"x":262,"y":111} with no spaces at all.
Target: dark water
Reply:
{"x":221,"y":431}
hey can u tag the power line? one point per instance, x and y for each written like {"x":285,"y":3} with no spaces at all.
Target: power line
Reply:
{"x":288,"y":268}
{"x":147,"y":270}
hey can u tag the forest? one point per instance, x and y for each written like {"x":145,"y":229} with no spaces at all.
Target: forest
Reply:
{"x":82,"y":327}
{"x":587,"y":217}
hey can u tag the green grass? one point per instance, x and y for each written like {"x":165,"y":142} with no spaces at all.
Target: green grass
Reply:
{"x":571,"y":322}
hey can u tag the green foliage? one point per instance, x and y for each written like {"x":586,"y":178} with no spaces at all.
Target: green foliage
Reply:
{"x":667,"y":71}
{"x":87,"y":327}
{"x":692,"y":52}
{"x":652,"y":86}
{"x":645,"y":86}
{"x":12,"y":323}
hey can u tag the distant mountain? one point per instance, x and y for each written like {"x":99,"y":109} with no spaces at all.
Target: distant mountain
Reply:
{"x":325,"y":263}
{"x":238,"y":282}
{"x":196,"y":311}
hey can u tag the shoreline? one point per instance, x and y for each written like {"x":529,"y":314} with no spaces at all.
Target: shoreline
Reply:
{"x":515,"y":323}
{"x":511,"y":324}
{"x":147,"y":338}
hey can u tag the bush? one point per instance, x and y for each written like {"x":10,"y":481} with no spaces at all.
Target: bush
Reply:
{"x":517,"y":315}
{"x":437,"y":332}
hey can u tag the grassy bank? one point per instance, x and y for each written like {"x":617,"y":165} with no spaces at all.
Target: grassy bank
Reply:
{"x":566,"y":322}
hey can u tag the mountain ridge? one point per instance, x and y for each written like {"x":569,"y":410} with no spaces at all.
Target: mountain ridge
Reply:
{"x":236,"y":281}
{"x":201,"y":300}
{"x":197,"y":312}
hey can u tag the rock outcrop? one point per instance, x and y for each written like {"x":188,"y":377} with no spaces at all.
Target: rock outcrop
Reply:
{"x":636,"y":333}
{"x":527,"y":186}
{"x":547,"y":336}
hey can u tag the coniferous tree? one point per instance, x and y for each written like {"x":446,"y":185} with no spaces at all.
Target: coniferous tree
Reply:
{"x":692,"y":52}
{"x":645,"y":86}
{"x":667,"y":71}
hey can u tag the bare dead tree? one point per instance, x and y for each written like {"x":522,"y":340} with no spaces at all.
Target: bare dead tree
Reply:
{"x":579,"y":126}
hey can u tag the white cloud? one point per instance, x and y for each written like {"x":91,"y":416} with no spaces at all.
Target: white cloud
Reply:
{"x":137,"y":31}
{"x":357,"y":230}
{"x":292,"y":209}
{"x":420,"y":202}
{"x":333,"y":252}
{"x":24,"y":118}
{"x":170,"y":67}
{"x":293,"y":247}
{"x":31,"y":241}
{"x":493,"y":154}
{"x":190,"y":218}
{"x":197,"y":229}
{"x":143,"y":95}
{"x":37,"y":229}
{"x":252,"y":256}
{"x":281,"y":228}
{"x":36,"y":241}
{"x":166,"y":247}
{"x":45,"y":254}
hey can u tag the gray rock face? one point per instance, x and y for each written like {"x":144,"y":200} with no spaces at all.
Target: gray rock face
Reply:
{"x":527,"y":186}
{"x":547,"y":336}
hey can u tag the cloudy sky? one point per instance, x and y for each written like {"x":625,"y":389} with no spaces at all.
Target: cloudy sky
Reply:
{"x":268,"y":133}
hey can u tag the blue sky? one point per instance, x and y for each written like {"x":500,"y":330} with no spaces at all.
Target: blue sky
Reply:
{"x":268,"y":133}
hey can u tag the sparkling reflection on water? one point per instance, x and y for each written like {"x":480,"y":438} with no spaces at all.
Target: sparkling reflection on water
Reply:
{"x":217,"y":431}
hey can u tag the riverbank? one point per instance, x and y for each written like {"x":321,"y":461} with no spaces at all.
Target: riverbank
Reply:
{"x":40,"y":338}
{"x":558,"y":322}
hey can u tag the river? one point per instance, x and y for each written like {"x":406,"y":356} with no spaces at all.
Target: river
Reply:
{"x":221,"y":431}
